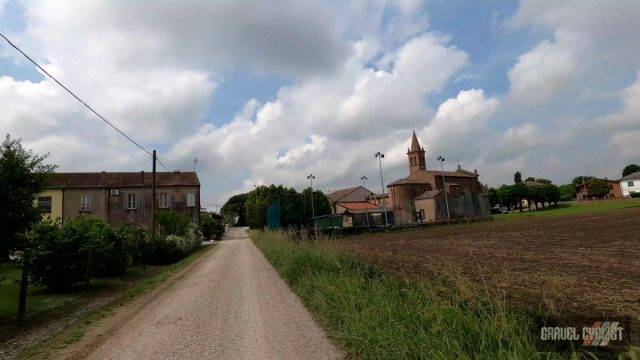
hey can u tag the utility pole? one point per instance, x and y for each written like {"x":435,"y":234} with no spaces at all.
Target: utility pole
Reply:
{"x":444,"y":188}
{"x":313,"y":212}
{"x":153,"y":197}
{"x":366,"y":199}
{"x":195,"y":161}
{"x":380,"y":156}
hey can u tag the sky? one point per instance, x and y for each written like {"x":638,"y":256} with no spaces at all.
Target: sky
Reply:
{"x":269,"y":92}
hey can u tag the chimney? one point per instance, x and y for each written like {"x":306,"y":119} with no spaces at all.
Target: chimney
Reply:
{"x":176,"y":171}
{"x":459,"y":167}
{"x":475,"y":171}
{"x":142,"y":177}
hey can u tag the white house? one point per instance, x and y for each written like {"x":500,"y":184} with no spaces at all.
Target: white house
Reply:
{"x":630,"y":184}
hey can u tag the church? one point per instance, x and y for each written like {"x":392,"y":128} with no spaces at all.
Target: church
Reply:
{"x":434,"y":195}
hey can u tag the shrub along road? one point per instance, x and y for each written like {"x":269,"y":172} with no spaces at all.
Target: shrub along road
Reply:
{"x":231,"y":305}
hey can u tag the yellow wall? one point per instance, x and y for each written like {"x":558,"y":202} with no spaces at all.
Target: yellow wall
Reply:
{"x":56,"y":203}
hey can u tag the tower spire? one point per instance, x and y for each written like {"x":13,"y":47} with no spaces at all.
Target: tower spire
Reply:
{"x":416,"y":155}
{"x":415,"y":144}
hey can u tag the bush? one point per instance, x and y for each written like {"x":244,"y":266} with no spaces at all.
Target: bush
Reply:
{"x":106,"y":248}
{"x":64,"y":257}
{"x":171,"y":248}
{"x":56,"y":262}
{"x":173,"y":223}
{"x":635,"y":195}
{"x":211,"y":228}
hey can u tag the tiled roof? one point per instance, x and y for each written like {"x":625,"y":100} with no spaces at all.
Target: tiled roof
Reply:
{"x":463,"y":173}
{"x":359,"y":206}
{"x":339,"y":194}
{"x":122,"y":179}
{"x":633,"y":176}
{"x":408,"y":181}
{"x":428,"y":194}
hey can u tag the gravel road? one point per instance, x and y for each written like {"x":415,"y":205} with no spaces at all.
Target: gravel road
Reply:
{"x":232,"y":305}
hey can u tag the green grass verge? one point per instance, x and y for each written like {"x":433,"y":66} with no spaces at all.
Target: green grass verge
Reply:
{"x":75,"y":332}
{"x":574,"y":208}
{"x":38,"y":301}
{"x":374,"y":315}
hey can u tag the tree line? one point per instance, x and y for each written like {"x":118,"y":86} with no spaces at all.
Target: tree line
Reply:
{"x":250,"y":209}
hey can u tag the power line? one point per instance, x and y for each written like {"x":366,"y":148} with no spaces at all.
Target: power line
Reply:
{"x":82,"y":101}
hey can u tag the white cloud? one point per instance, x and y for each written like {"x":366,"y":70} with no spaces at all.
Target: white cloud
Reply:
{"x":593,"y":44}
{"x":332,"y":125}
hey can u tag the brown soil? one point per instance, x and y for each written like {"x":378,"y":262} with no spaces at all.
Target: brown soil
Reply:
{"x":576,"y":265}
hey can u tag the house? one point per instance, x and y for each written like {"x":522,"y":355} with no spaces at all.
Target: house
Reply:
{"x":362,"y":213}
{"x":425,"y":195}
{"x":630,"y":185}
{"x":357,"y":207}
{"x":120,"y":198}
{"x":615,"y":191}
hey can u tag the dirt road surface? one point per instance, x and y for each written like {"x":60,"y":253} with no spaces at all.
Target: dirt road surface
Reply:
{"x":230,"y":305}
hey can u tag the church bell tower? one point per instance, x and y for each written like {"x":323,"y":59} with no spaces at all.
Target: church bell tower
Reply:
{"x":416,"y":156}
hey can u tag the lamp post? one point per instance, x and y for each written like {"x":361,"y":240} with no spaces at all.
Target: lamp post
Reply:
{"x":380,"y":156}
{"x":310,"y":177}
{"x":444,"y":187}
{"x":366,"y":199}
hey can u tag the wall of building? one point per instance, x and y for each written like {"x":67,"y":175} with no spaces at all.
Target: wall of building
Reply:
{"x":627,"y":189}
{"x":71,"y":203}
{"x":428,"y":208}
{"x":56,"y":203}
{"x":403,"y":203}
{"x":114,"y":208}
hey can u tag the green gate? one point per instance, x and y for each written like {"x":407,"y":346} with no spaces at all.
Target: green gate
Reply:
{"x":273,"y":215}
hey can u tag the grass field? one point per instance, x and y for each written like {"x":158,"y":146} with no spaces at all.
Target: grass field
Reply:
{"x":575,"y":208}
{"x":43,"y":307}
{"x":374,"y":315}
{"x":40,"y":301}
{"x":395,"y":295}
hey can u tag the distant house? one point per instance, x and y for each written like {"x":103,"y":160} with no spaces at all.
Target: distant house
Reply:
{"x":630,"y":184}
{"x":362,"y":213}
{"x":615,"y":191}
{"x":120,"y":197}
{"x":357,"y":207}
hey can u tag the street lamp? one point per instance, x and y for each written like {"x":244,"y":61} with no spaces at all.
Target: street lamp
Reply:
{"x":380,"y":156}
{"x":366,"y":199}
{"x":444,"y":187}
{"x":310,"y":177}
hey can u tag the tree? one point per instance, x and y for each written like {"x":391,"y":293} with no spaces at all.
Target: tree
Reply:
{"x":517,"y":177}
{"x":494,"y":197}
{"x":505,"y":194}
{"x":233,"y":210}
{"x":543,"y":180}
{"x":551,"y":194}
{"x":598,"y":188}
{"x":579,"y":180}
{"x":567,"y":192}
{"x":321,"y":203}
{"x":23,"y":175}
{"x":519,"y":192}
{"x":630,"y":169}
{"x":211,"y":226}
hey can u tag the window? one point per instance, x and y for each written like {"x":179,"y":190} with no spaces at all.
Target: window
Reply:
{"x":131,"y":201}
{"x":163,"y":200}
{"x":85,"y":203}
{"x":630,"y":183}
{"x":44,"y":204}
{"x":191,"y":200}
